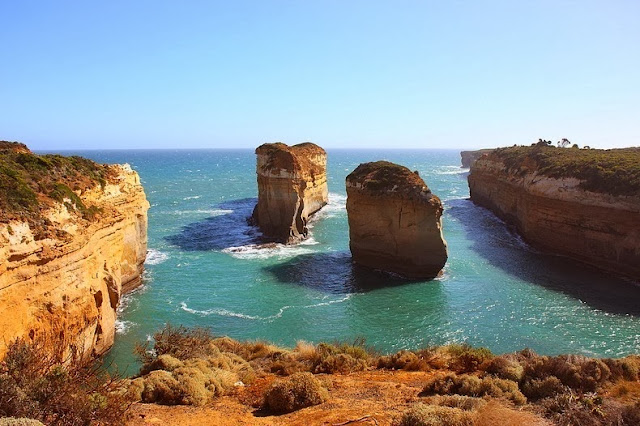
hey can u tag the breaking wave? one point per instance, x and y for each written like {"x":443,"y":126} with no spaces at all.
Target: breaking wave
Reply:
{"x":228,"y":313}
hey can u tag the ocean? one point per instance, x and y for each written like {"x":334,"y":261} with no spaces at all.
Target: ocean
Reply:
{"x":203,"y":269}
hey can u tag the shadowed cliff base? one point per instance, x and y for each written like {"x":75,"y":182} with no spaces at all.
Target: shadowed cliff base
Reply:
{"x":503,"y":248}
{"x":228,"y":229}
{"x":333,"y":272}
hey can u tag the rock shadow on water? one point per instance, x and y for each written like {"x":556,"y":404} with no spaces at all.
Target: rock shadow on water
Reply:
{"x":499,"y":244}
{"x":230,"y":229}
{"x":333,"y":272}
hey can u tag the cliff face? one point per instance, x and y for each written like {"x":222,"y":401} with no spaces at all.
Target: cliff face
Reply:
{"x":395,"y":222}
{"x":61,"y":274}
{"x":469,"y":157}
{"x":555,"y":212}
{"x":292,"y":185}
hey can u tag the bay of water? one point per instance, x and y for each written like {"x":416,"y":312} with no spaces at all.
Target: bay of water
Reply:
{"x":203,"y":270}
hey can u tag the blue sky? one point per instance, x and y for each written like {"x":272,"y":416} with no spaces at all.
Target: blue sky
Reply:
{"x":344,"y":74}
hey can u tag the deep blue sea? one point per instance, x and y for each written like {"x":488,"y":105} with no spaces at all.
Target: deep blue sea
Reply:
{"x":202,"y":269}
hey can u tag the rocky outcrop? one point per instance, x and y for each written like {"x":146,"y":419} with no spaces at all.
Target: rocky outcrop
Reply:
{"x":469,"y":157}
{"x":292,"y":185}
{"x":567,"y":201}
{"x":395,"y":221}
{"x":62,"y":275}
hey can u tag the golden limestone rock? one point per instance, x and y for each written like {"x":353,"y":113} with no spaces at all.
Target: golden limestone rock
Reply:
{"x":292,"y":185}
{"x":395,"y":221}
{"x":580,"y":203}
{"x":73,"y":239}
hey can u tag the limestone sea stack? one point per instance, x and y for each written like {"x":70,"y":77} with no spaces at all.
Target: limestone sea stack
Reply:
{"x":581,"y":203}
{"x":292,"y":186}
{"x":73,"y":239}
{"x":395,"y":221}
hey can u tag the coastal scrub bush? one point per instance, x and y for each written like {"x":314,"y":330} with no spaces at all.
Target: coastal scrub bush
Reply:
{"x":35,"y":384}
{"x":575,"y":371}
{"x":468,"y":385}
{"x":466,"y":403}
{"x":434,"y":415}
{"x":505,"y":367}
{"x":464,"y":358}
{"x":192,"y":382}
{"x":405,"y":360}
{"x":29,"y":182}
{"x":297,"y":391}
{"x":180,"y":342}
{"x":535,"y":389}
{"x":623,"y":368}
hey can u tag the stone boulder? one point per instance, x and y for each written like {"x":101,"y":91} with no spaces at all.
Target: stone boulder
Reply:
{"x":292,"y":185}
{"x":395,"y":221}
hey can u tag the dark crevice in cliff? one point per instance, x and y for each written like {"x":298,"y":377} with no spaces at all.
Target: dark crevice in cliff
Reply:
{"x":332,"y":272}
{"x":499,"y":245}
{"x":220,"y":232}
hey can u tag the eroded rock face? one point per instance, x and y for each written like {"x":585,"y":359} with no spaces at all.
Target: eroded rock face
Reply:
{"x":395,"y":221}
{"x":65,"y":289}
{"x":292,"y":185}
{"x":469,"y":157}
{"x":558,"y":215}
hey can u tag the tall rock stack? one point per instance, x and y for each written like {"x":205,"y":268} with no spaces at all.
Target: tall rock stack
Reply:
{"x":395,"y":221}
{"x":292,"y":185}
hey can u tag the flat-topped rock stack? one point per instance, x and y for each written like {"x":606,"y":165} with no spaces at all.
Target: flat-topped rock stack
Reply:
{"x":292,"y":185}
{"x":395,"y":221}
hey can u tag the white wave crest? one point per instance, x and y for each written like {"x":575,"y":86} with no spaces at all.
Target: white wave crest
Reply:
{"x":337,"y":204}
{"x":450,"y":170}
{"x":212,"y":212}
{"x":266,"y":251}
{"x":194,"y":197}
{"x":228,"y":313}
{"x":155,"y":257}
{"x":122,"y":326}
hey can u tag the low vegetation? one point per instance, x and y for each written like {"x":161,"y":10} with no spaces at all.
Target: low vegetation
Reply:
{"x":297,"y":391}
{"x":460,"y":384}
{"x":611,"y":171}
{"x":520,"y":386}
{"x":35,"y":385}
{"x":30,"y":182}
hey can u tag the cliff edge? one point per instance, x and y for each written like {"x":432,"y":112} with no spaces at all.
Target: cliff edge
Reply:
{"x":581,"y":203}
{"x":395,"y":221}
{"x":292,"y":185}
{"x":73,"y":239}
{"x":467,"y":158}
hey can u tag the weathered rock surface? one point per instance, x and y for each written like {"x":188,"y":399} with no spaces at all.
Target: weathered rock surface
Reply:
{"x":469,"y":157}
{"x":292,"y":185}
{"x":558,"y":215}
{"x":65,"y":288}
{"x":395,"y":221}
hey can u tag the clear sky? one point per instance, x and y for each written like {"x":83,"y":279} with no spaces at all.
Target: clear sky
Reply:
{"x":341,"y":73}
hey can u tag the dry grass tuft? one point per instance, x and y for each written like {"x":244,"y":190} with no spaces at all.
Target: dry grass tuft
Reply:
{"x":434,"y":415}
{"x":298,"y":391}
{"x":450,"y":384}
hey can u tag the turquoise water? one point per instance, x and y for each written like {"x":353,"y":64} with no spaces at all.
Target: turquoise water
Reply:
{"x":496,"y":291}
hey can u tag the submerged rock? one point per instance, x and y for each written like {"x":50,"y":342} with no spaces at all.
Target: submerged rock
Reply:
{"x":292,"y":185}
{"x":395,"y":221}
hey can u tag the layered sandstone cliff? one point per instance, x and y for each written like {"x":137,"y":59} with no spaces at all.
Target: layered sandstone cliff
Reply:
{"x":66,"y":260}
{"x":292,"y":185}
{"x":469,"y":157}
{"x":395,"y":221}
{"x":584,"y":204}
